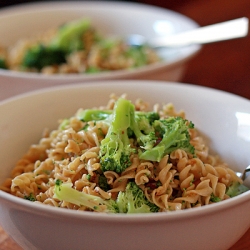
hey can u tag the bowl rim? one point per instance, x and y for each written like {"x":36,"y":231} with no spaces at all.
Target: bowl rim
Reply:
{"x":143,"y":218}
{"x":56,"y":5}
{"x":105,"y":82}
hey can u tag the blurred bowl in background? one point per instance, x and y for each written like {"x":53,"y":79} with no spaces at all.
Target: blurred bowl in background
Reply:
{"x":110,"y":18}
{"x":221,"y":117}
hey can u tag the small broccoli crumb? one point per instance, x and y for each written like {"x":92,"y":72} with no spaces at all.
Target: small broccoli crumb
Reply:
{"x":30,"y":197}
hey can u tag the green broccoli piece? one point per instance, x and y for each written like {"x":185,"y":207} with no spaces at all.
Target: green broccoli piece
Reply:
{"x":68,"y":39}
{"x":144,"y":121}
{"x":30,"y":197}
{"x":235,"y":189}
{"x":151,"y":116}
{"x":92,"y":69}
{"x":115,"y":148}
{"x":140,"y":123}
{"x":155,"y":137}
{"x":70,"y":35}
{"x":214,"y":198}
{"x":133,"y":200}
{"x":3,"y":64}
{"x":64,"y":124}
{"x":40,"y":56}
{"x":102,"y":182}
{"x":142,"y":129}
{"x":138,"y":54}
{"x":173,"y":133}
{"x":65,"y":192}
{"x":87,"y":115}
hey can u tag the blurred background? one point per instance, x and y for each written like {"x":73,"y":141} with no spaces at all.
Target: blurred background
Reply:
{"x":224,"y":65}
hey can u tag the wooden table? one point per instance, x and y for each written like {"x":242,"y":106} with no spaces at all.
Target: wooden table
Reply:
{"x":224,"y":65}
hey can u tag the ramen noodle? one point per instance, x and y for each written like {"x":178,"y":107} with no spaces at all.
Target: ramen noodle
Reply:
{"x":71,"y":155}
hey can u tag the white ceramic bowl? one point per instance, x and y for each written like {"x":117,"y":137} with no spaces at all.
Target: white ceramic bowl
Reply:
{"x":222,"y":117}
{"x":114,"y":18}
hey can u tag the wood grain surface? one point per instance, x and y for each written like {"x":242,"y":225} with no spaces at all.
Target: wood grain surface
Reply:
{"x":224,"y":65}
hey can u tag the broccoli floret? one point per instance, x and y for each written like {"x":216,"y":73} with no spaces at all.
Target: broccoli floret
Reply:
{"x":235,"y":189}
{"x":102,"y":182}
{"x":141,"y":126}
{"x":155,"y":137}
{"x":151,"y":116}
{"x":133,"y":200}
{"x":40,"y":56}
{"x":115,"y":148}
{"x":3,"y":64}
{"x":173,"y":133}
{"x":65,"y":192}
{"x":140,"y":123}
{"x":144,"y":120}
{"x":70,"y":35}
{"x":69,"y":38}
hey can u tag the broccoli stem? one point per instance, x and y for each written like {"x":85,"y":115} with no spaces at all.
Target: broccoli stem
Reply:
{"x":115,"y":148}
{"x":69,"y":37}
{"x":87,"y":115}
{"x":65,"y":192}
{"x":121,"y":121}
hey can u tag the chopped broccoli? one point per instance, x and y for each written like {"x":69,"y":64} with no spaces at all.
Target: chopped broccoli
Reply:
{"x":102,"y":182}
{"x":115,"y":148}
{"x":98,"y":115}
{"x":154,"y":136}
{"x":142,"y":129}
{"x":70,"y":35}
{"x":30,"y":197}
{"x":214,"y":198}
{"x":151,"y":116}
{"x":92,"y":69}
{"x":68,"y":39}
{"x":87,"y":115}
{"x":140,"y":123}
{"x":64,"y":124}
{"x":40,"y":56}
{"x":137,"y":53}
{"x":133,"y":200}
{"x":3,"y":63}
{"x":173,"y":133}
{"x":65,"y":192}
{"x":235,"y":189}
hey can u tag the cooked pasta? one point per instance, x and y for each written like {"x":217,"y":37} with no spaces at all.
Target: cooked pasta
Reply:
{"x":74,"y":48}
{"x":71,"y":154}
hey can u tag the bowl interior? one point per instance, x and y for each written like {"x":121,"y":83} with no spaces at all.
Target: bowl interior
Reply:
{"x":222,"y":118}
